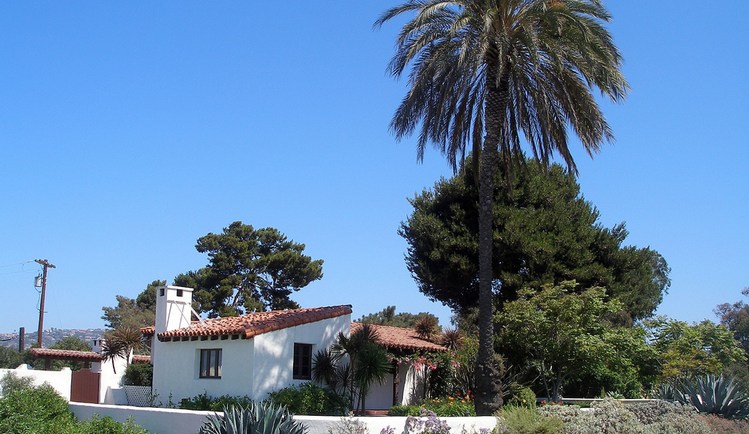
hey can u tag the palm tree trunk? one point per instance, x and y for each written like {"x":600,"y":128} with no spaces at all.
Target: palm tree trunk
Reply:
{"x":488,"y":398}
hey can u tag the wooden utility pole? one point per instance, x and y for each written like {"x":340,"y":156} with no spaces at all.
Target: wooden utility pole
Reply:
{"x":44,"y":263}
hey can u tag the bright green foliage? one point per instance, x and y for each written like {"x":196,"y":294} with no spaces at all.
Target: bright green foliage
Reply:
{"x":255,"y":418}
{"x":138,"y":374}
{"x":107,"y":425}
{"x":25,"y":409}
{"x":564,"y":335}
{"x":133,"y":313}
{"x":38,"y":410}
{"x":388,"y":317}
{"x":526,"y":420}
{"x":12,"y":382}
{"x":310,"y":399}
{"x":443,"y":407}
{"x":521,"y":396}
{"x":685,"y":350}
{"x":203,"y":402}
{"x":249,"y":270}
{"x":544,"y":232}
{"x":712,"y":394}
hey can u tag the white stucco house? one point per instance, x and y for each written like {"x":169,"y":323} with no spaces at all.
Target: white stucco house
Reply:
{"x":258,"y":353}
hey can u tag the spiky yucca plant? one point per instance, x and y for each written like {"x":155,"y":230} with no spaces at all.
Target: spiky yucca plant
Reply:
{"x":256,"y":418}
{"x":712,"y":394}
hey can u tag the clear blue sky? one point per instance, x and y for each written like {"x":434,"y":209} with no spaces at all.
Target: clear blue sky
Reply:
{"x":130,"y":129}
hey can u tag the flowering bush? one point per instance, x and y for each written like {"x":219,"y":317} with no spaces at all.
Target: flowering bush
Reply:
{"x":445,"y":407}
{"x":428,"y":423}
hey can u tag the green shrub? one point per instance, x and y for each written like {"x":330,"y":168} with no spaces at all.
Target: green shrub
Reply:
{"x":521,"y":396}
{"x":525,"y":420}
{"x":12,"y":382}
{"x":204,"y":402}
{"x":37,"y":410}
{"x":138,"y":374}
{"x":450,"y":407}
{"x":107,"y":425}
{"x":310,"y":399}
{"x":256,"y":418}
{"x":611,"y":416}
{"x":442,"y":407}
{"x":404,"y":410}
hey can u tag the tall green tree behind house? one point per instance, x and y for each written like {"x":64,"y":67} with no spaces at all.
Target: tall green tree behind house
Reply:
{"x":483,"y":74}
{"x":133,"y":313}
{"x":545,"y":232}
{"x":249,"y":270}
{"x":387,"y":316}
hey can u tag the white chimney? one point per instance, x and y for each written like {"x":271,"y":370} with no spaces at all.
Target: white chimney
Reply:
{"x":173,"y":308}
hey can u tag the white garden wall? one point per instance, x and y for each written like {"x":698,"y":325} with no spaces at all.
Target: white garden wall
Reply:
{"x":173,"y":421}
{"x":59,"y":380}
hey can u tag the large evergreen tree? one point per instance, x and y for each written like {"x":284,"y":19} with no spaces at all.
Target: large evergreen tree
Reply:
{"x":486,"y":72}
{"x":249,"y":270}
{"x":545,"y":232}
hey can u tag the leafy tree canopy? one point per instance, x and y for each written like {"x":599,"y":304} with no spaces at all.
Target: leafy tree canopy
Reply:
{"x":249,"y":270}
{"x":736,"y":317}
{"x":10,"y":358}
{"x":564,"y":335}
{"x":687,"y":350}
{"x":133,"y":313}
{"x":388,"y":317}
{"x":544,"y":232}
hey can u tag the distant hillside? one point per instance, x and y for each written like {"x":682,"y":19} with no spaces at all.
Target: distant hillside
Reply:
{"x":49,"y":337}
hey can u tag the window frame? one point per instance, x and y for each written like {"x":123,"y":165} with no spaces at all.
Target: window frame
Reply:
{"x":209,"y":363}
{"x":302,"y":363}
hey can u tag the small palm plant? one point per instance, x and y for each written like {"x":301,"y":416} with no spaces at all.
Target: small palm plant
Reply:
{"x":255,"y":418}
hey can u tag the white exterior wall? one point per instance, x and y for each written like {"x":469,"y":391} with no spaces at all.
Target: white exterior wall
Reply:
{"x":173,"y":311}
{"x":59,"y":380}
{"x":410,"y":389}
{"x":274,"y":352}
{"x":252,"y":367}
{"x":110,"y":377}
{"x":176,"y":370}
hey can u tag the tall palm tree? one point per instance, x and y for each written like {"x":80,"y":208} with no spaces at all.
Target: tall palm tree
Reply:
{"x":485,"y":72}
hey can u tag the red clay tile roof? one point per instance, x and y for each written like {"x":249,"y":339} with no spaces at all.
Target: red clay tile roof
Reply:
{"x":50,"y":353}
{"x":256,"y":323}
{"x":140,"y":358}
{"x":400,"y":338}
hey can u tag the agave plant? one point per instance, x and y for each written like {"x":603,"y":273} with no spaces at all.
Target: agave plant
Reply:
{"x":712,"y":394}
{"x":256,"y":418}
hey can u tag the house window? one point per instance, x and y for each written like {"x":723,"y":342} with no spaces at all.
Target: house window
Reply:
{"x":302,"y":361}
{"x":210,"y":363}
